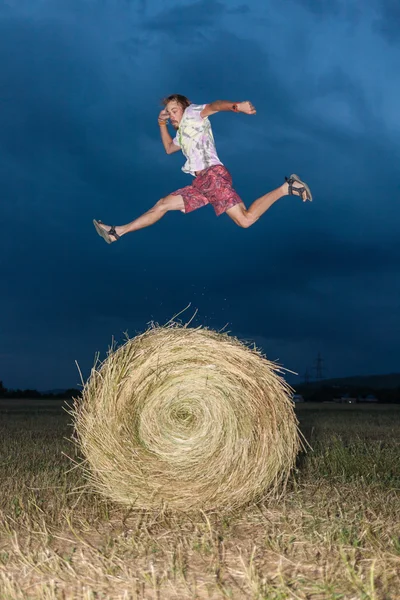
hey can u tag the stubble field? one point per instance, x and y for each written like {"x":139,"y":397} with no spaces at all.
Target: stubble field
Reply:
{"x":334,"y":534}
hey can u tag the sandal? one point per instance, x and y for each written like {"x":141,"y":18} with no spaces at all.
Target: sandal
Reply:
{"x":106,"y":235}
{"x":300,"y":190}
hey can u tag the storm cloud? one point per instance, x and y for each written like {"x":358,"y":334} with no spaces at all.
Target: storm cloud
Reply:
{"x":81,"y":84}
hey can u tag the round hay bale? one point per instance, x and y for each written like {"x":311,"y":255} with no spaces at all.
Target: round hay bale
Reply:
{"x":186,"y":418}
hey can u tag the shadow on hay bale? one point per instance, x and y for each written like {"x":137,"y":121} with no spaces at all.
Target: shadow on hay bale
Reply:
{"x":187,"y":418}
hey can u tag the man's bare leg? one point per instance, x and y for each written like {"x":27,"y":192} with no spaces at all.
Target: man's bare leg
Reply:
{"x":246,"y":217}
{"x":150,"y":217}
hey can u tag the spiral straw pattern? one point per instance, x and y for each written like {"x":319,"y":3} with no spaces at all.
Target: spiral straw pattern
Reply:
{"x":186,"y":418}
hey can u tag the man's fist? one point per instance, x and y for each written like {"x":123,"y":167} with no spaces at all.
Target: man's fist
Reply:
{"x":163,"y":116}
{"x":246,"y":107}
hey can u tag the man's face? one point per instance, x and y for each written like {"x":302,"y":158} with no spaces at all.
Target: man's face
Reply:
{"x":175,"y":112}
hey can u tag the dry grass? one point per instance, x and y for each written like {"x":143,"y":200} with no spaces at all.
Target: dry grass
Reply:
{"x":335,"y":535}
{"x":186,"y":418}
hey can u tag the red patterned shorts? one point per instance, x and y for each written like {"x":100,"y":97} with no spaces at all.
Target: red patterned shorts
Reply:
{"x":211,"y":186}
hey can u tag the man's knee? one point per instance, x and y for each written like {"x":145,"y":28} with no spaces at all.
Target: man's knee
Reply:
{"x":163,"y":204}
{"x":245,"y":220}
{"x":241,"y":216}
{"x":170,"y":202}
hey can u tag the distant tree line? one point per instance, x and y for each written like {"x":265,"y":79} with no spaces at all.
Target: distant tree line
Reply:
{"x":325,"y":393}
{"x":6,"y":393}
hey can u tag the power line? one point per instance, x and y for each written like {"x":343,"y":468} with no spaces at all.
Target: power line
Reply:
{"x":318,"y":367}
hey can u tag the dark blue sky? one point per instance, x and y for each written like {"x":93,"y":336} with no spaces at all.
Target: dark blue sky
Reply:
{"x":80,"y":85}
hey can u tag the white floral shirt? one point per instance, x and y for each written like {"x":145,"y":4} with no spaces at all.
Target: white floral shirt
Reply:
{"x":195,"y":138}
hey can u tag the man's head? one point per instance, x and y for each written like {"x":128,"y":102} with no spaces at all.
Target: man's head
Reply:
{"x":175,"y":106}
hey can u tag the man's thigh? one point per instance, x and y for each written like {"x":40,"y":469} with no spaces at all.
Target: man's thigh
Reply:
{"x":174,"y":202}
{"x":191,"y":197}
{"x":237,"y":211}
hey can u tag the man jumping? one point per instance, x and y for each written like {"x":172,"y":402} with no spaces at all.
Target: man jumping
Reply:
{"x":212,"y":183}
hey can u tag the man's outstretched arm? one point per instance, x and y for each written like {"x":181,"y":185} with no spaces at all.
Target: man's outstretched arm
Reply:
{"x":245,"y":107}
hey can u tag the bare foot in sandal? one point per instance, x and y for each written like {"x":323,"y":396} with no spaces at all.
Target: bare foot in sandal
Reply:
{"x":297,"y":187}
{"x":109,"y":233}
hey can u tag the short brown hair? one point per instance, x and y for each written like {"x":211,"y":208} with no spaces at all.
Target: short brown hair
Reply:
{"x":182,"y":100}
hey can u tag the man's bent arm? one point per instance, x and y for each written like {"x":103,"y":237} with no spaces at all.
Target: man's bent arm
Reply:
{"x":166,"y":139}
{"x":227,"y":105}
{"x":217,"y":106}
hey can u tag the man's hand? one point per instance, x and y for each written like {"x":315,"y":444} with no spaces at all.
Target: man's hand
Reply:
{"x":246,"y":107}
{"x":163,"y":116}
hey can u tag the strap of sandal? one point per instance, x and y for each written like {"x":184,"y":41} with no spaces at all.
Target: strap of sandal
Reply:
{"x":112,"y":231}
{"x":290,"y":182}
